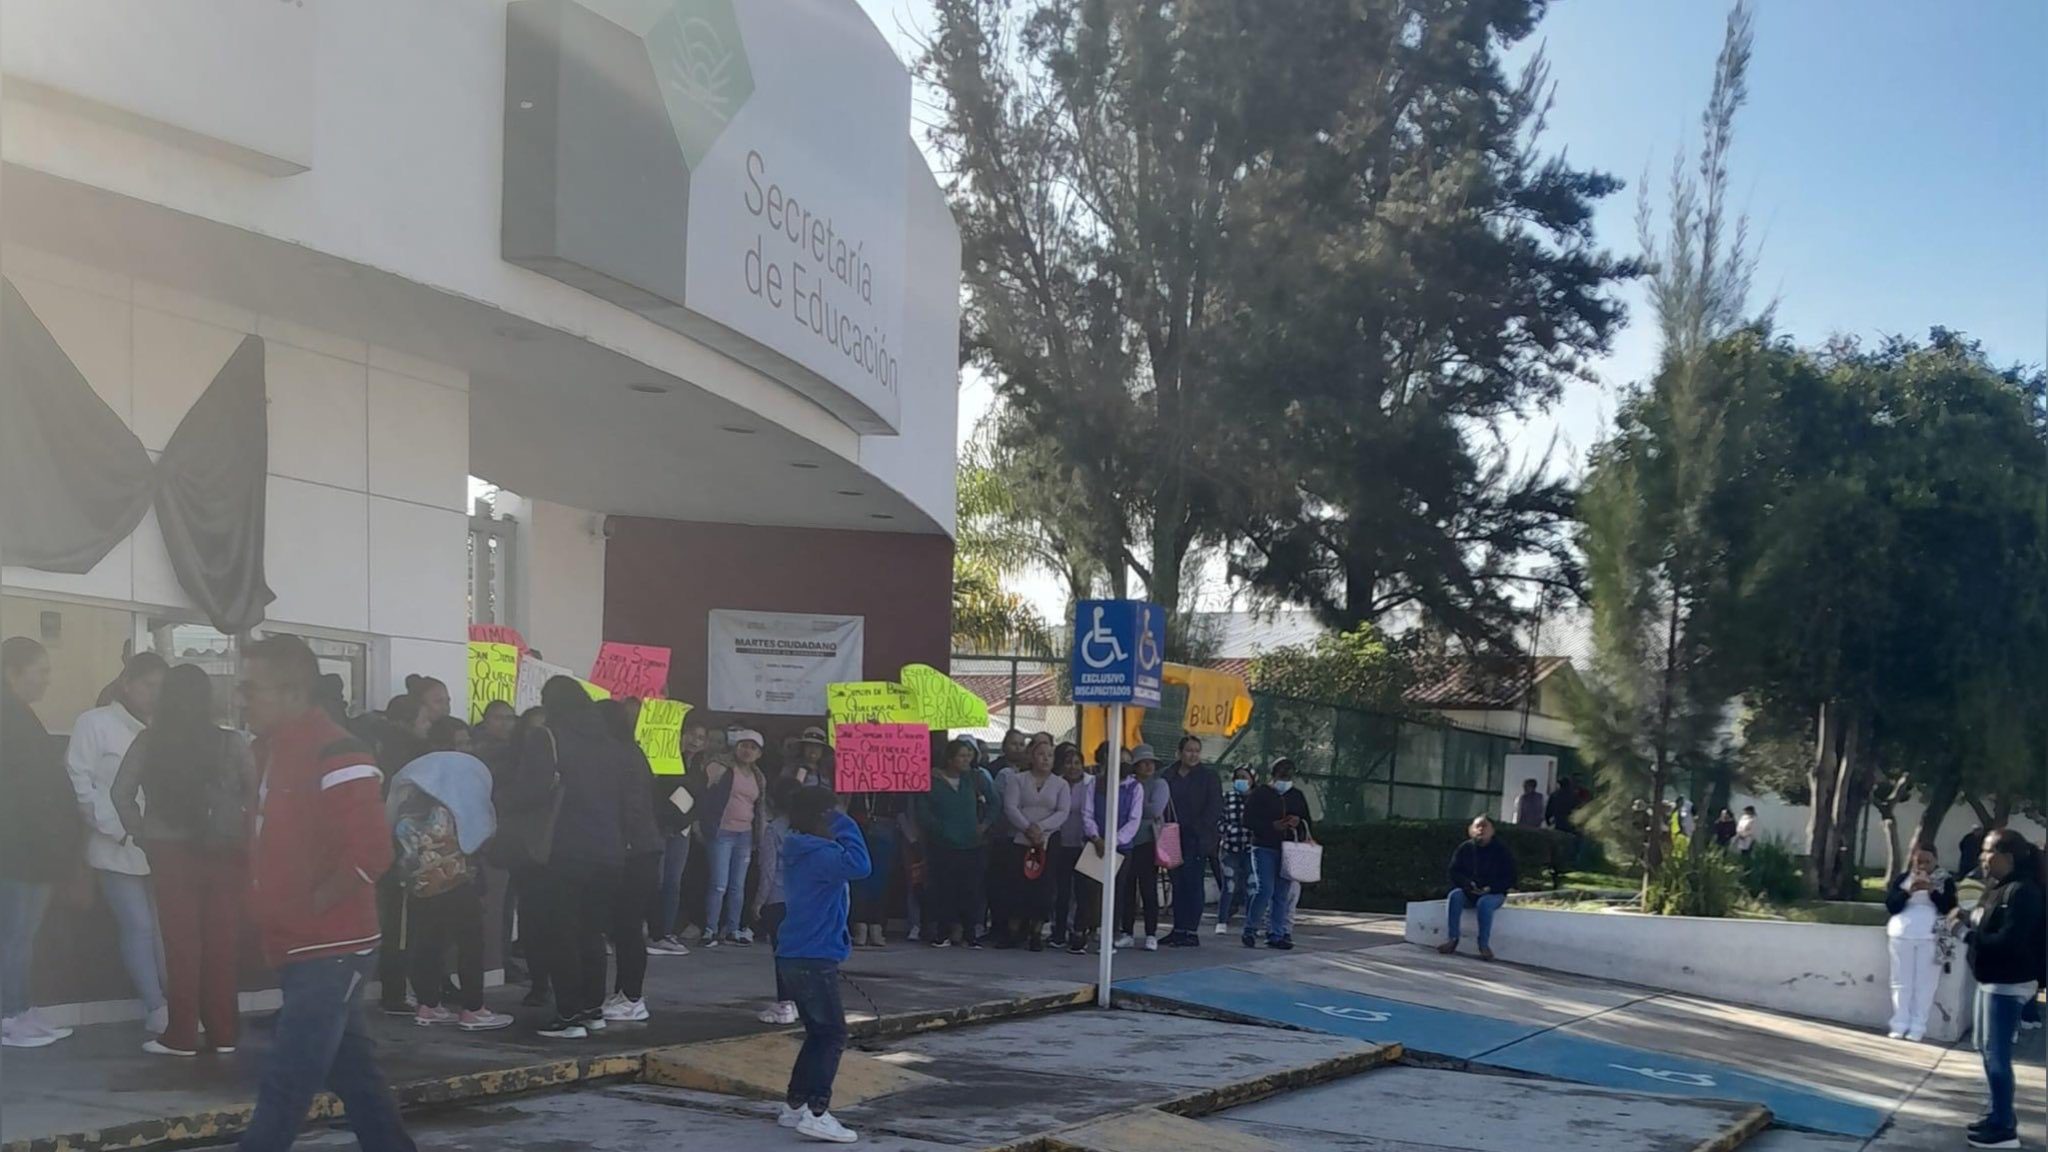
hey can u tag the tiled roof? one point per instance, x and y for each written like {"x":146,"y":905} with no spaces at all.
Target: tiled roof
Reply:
{"x":1493,"y":684}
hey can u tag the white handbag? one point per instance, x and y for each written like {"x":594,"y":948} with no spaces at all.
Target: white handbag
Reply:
{"x":1301,"y":861}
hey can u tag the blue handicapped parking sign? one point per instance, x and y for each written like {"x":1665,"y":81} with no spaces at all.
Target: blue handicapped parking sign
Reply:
{"x":1119,"y":652}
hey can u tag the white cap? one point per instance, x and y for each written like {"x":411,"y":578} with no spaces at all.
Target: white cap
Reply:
{"x":740,"y":735}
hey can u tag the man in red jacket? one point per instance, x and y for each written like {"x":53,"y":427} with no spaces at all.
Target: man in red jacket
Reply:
{"x":320,"y":845}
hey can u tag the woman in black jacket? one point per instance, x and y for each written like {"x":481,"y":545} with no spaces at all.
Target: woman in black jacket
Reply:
{"x":2007,"y":957}
{"x":39,"y":834}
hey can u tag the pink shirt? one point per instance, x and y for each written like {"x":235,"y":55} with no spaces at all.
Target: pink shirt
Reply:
{"x":739,"y":809}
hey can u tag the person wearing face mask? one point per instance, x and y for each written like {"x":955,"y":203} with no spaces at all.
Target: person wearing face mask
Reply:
{"x":1239,"y":881}
{"x":1275,"y":812}
{"x":99,"y":741}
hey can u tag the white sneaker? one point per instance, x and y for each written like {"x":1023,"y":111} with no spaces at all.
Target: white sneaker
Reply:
{"x":1223,"y":929}
{"x":781,"y":1012}
{"x":789,"y":1117}
{"x":667,"y":946}
{"x":1895,"y":1034}
{"x":916,"y":934}
{"x":626,"y":1011}
{"x":159,"y":1048}
{"x":1916,"y":1037}
{"x":39,"y":1023}
{"x":743,"y":936}
{"x":823,"y":1127}
{"x":159,"y":1021}
{"x":1125,"y":940}
{"x":21,"y":1032}
{"x":427,"y":1017}
{"x":1151,"y":943}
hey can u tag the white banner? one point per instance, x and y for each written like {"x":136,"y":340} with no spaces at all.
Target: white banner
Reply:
{"x":778,"y":663}
{"x":532,"y":675}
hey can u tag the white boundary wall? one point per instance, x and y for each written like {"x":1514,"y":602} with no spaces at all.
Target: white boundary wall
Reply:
{"x":1835,"y":972}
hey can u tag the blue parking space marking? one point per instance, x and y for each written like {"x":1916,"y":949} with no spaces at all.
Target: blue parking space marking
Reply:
{"x":1531,"y":1048}
{"x":1568,"y":1057}
{"x":1454,"y":1034}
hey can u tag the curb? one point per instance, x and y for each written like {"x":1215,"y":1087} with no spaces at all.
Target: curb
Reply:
{"x":216,"y":1125}
{"x":1752,"y":1122}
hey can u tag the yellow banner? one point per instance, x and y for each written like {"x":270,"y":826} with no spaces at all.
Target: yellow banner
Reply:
{"x":493,"y":675}
{"x":659,"y":732}
{"x":1218,"y":702}
{"x":1095,"y":722}
{"x":941,"y":702}
{"x":595,"y":692}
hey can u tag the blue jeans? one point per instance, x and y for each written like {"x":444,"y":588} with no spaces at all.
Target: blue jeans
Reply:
{"x":814,"y":985}
{"x":1996,"y":1025}
{"x":1188,"y":896}
{"x":1486,"y":906}
{"x":321,"y":1041}
{"x":21,"y":916}
{"x":675,"y":854}
{"x":1272,"y":896}
{"x":1240,"y":883}
{"x":142,"y":946}
{"x":732,"y":853}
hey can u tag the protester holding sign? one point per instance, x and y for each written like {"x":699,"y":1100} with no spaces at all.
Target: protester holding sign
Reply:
{"x":1036,"y":803}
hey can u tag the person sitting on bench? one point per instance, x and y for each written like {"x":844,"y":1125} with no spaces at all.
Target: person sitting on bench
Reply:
{"x":1482,"y":875}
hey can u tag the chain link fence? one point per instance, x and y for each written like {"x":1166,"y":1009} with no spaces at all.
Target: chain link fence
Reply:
{"x":1356,"y":767}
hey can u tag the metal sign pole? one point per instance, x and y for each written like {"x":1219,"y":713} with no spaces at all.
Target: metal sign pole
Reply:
{"x":1105,"y":940}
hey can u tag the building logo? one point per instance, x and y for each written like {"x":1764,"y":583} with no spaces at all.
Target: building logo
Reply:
{"x":700,"y":65}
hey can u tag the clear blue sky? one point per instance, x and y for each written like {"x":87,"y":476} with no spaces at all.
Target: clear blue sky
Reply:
{"x":1893,"y":158}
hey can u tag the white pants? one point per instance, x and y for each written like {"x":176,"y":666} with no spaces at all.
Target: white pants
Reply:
{"x":1916,"y":971}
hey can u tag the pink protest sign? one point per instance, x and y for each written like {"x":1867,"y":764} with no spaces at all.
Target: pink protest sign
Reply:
{"x":636,"y":670}
{"x":883,"y":758}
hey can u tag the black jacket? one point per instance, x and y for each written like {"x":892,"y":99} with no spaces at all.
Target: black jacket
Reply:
{"x":576,"y":773}
{"x":39,"y":825}
{"x":2006,"y":945}
{"x":1197,"y":807}
{"x":1895,"y":897}
{"x":1489,"y":866}
{"x":1265,"y":808}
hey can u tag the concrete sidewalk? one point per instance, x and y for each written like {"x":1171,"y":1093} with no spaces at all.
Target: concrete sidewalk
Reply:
{"x":99,"y":1089}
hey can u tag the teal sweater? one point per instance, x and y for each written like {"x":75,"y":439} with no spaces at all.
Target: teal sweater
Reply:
{"x":952,"y":817}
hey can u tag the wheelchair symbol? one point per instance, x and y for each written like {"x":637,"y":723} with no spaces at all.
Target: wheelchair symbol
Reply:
{"x":1362,"y":1015}
{"x":1691,"y":1079}
{"x":1148,"y":648}
{"x":1097,"y":638}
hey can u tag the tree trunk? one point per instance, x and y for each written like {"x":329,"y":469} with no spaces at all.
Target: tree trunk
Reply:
{"x":1820,"y":827}
{"x":1660,"y":769}
{"x":1856,"y":775}
{"x":1941,"y":796}
{"x":1983,"y":813}
{"x":1886,"y":801}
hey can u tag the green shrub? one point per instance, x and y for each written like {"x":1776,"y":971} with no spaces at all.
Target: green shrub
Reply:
{"x":1771,"y":872}
{"x":1695,"y":879}
{"x":1381,"y":867}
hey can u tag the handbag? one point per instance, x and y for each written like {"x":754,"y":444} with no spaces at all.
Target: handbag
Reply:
{"x":1301,"y":860}
{"x":1034,"y":863}
{"x":1166,"y":845}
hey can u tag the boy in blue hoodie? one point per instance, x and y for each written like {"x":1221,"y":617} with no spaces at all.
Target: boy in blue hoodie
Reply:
{"x":822,"y":853}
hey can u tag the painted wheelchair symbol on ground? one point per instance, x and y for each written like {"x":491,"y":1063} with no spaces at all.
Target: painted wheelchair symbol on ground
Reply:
{"x":1523,"y":1047}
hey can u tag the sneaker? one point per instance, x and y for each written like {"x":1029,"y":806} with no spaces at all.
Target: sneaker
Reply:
{"x":1248,"y":940}
{"x":1916,"y":1037}
{"x":560,"y":1029}
{"x":483,"y":1020}
{"x":667,"y":946}
{"x":821,"y":1126}
{"x":916,"y":934}
{"x":627,"y":1011}
{"x":876,"y":937}
{"x":1283,"y":944}
{"x":942,"y":942}
{"x":1151,"y":943}
{"x":743,"y":936}
{"x":713,"y":941}
{"x":427,"y":1017}
{"x":1895,"y":1035}
{"x":158,"y":1021}
{"x":229,"y":1049}
{"x":159,"y":1048}
{"x":789,"y":1117}
{"x":1077,"y":946}
{"x":1222,"y":929}
{"x":860,"y":935}
{"x":21,"y":1032}
{"x":593,"y":1020}
{"x":781,"y":1012}
{"x":1982,"y":1138}
{"x":976,"y":944}
{"x":1125,"y":940}
{"x":41,"y":1023}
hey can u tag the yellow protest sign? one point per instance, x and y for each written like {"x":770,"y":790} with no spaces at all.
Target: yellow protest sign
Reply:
{"x":1218,"y":702}
{"x":868,"y":702}
{"x":940,"y":701}
{"x":659,"y":732}
{"x":1095,"y":723}
{"x":493,"y":675}
{"x":596,"y":693}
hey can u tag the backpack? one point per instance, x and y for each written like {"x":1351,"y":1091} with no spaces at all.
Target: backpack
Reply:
{"x":430,"y":859}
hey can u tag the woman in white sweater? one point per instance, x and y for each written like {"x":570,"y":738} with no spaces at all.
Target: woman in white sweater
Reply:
{"x":1036,"y":803}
